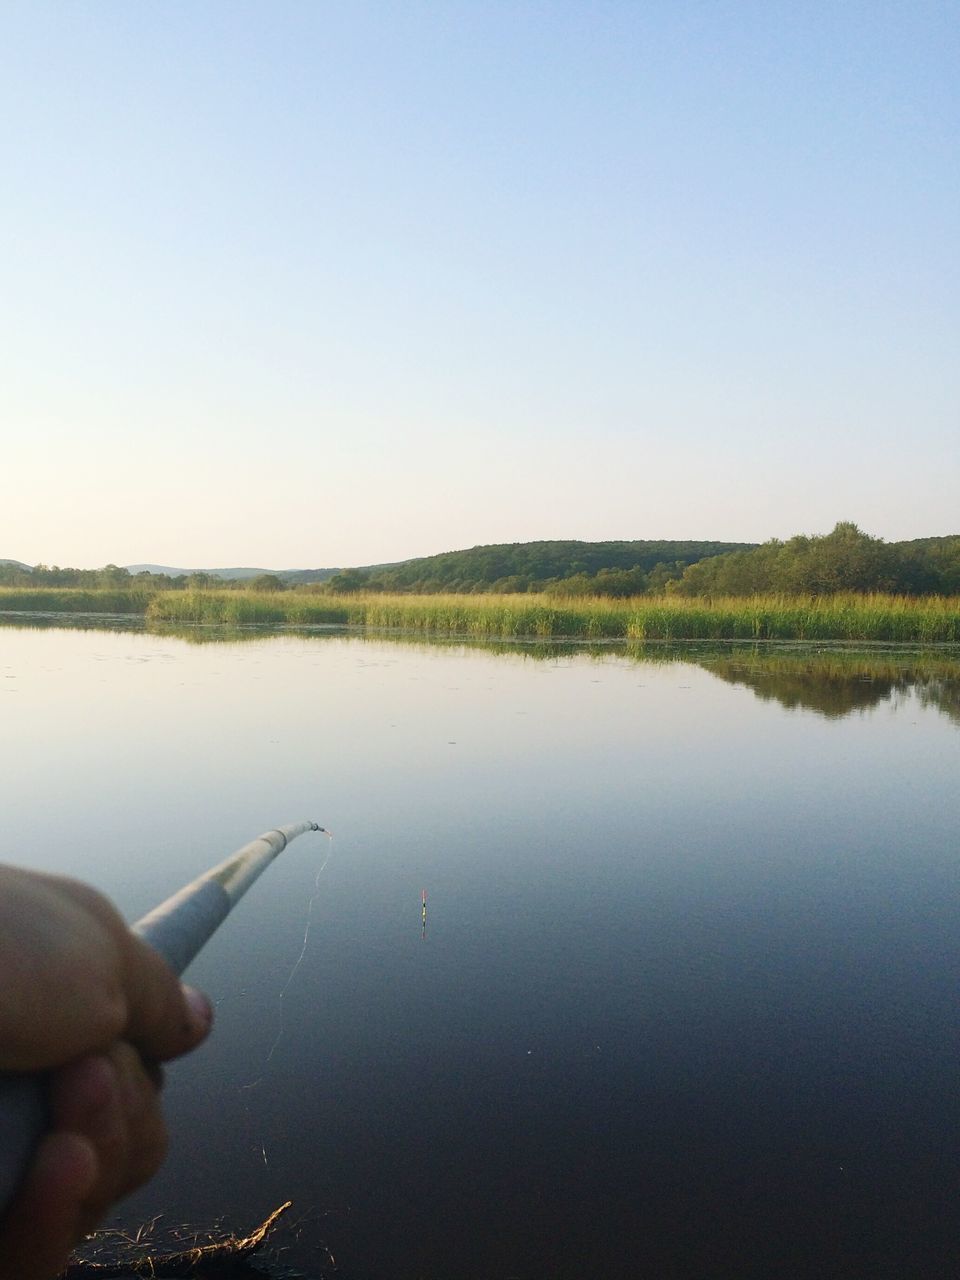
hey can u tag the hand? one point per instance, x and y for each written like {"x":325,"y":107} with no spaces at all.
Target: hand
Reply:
{"x":85,"y":1000}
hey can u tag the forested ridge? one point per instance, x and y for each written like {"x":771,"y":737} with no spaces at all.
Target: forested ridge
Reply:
{"x":623,"y":568}
{"x":846,"y":559}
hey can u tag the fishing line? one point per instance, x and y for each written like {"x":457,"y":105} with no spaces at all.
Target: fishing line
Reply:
{"x":303,"y":949}
{"x":293,"y":973}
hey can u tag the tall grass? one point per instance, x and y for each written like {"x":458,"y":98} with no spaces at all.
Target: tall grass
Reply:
{"x":898,"y":619}
{"x":881,"y":618}
{"x":74,"y":600}
{"x":244,"y":607}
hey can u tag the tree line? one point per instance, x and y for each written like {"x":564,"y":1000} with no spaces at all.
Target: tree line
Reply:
{"x":618,"y":568}
{"x":846,"y":559}
{"x":115,"y":577}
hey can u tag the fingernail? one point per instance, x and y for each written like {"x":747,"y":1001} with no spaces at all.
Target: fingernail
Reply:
{"x":201,"y":1010}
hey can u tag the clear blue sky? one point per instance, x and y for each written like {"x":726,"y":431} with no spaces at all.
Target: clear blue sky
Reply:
{"x":300,"y":284}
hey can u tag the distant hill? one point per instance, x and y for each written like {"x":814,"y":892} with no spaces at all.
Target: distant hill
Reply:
{"x":234,"y":575}
{"x":513,"y":566}
{"x":523,"y":566}
{"x":944,"y":543}
{"x":226,"y":574}
{"x":921,"y":566}
{"x":301,"y":577}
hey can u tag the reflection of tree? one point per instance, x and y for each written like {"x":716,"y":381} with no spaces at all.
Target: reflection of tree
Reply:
{"x":942,"y":693}
{"x":832,"y":693}
{"x":833,"y":683}
{"x":837,"y":684}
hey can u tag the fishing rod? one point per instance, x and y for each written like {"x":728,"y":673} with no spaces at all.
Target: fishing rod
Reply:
{"x":177,"y":929}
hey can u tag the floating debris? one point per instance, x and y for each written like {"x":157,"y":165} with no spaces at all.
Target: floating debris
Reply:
{"x":218,"y":1255}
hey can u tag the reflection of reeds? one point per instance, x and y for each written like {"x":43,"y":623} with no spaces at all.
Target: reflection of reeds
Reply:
{"x":898,"y":619}
{"x":832,"y":677}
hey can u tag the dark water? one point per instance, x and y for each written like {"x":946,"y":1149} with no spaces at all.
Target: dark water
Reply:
{"x":687,"y":1001}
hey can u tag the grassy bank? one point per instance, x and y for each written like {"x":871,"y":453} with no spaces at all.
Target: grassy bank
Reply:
{"x":239,"y":608}
{"x":899,"y":619}
{"x":877,"y":618}
{"x":74,"y":600}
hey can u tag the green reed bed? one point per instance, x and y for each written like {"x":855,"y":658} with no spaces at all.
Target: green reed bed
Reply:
{"x":245,"y":607}
{"x":850,"y":617}
{"x":504,"y":617}
{"x":73,"y":600}
{"x":878,"y":618}
{"x":482,"y":615}
{"x":896,"y":619}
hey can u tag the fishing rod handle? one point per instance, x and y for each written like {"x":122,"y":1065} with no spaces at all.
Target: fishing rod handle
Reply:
{"x":177,"y":934}
{"x":177,"y":929}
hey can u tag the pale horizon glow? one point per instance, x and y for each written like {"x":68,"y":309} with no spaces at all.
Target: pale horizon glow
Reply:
{"x":309,"y":285}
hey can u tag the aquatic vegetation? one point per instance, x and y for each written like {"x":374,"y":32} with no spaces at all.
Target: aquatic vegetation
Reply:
{"x":110,"y":1253}
{"x":247,"y":607}
{"x":850,"y":616}
{"x":74,"y":599}
{"x":899,"y":619}
{"x":873,"y":617}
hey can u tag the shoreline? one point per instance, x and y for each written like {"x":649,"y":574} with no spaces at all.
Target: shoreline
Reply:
{"x":840,"y":619}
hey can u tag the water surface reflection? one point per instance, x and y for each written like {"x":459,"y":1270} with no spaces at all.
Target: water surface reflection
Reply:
{"x":686,"y":1006}
{"x":835,"y":681}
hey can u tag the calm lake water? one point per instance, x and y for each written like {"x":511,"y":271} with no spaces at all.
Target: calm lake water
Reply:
{"x":687,"y":1002}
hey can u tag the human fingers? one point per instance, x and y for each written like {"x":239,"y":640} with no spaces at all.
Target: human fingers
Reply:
{"x":162,"y":1017}
{"x":165,"y":1018}
{"x":112,"y":1102}
{"x":76,"y":979}
{"x":45,"y":1220}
